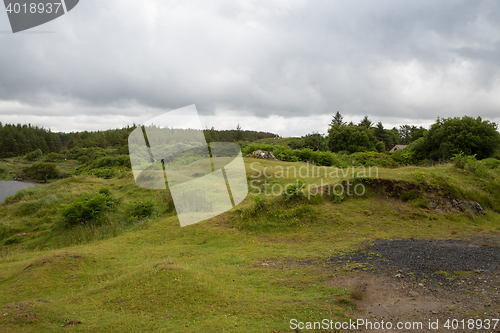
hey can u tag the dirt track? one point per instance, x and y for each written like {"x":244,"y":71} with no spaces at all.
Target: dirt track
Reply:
{"x":422,"y":280}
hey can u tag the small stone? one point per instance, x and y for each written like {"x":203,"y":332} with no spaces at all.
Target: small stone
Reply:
{"x":71,"y":322}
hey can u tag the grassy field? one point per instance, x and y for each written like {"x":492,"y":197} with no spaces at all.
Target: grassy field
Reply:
{"x":238,"y":272}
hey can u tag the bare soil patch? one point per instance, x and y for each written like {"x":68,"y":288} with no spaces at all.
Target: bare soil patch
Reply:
{"x":416,"y":280}
{"x":421,"y":280}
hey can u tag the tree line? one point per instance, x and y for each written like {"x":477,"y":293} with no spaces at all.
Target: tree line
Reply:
{"x":444,"y":139}
{"x":17,"y":140}
{"x":20,"y":139}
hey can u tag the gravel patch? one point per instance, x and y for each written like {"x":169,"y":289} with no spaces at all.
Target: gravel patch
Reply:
{"x":420,"y":257}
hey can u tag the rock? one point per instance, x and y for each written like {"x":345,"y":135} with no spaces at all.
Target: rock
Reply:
{"x":472,"y":206}
{"x":262,"y":154}
{"x":413,"y":294}
{"x":456,"y":205}
{"x":71,"y":322}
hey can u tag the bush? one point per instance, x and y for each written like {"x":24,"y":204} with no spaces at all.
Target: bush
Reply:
{"x":491,"y":163}
{"x":294,"y":190}
{"x":89,"y":207}
{"x":451,"y":136}
{"x":352,"y":139}
{"x":142,"y":210}
{"x":104,"y":173}
{"x":83,"y":159}
{"x":282,"y":153}
{"x":469,"y":163}
{"x":41,"y":171}
{"x":403,"y":156}
{"x":110,"y":161}
{"x":33,"y":156}
{"x":55,"y":157}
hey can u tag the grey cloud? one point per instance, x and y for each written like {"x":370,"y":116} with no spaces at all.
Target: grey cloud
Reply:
{"x":382,"y":58}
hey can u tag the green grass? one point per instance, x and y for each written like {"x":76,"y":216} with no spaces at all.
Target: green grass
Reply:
{"x":237,"y":272}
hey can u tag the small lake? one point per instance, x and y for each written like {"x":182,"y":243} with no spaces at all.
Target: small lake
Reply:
{"x":10,"y":187}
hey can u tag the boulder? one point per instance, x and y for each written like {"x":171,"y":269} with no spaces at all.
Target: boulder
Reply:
{"x":456,"y":205}
{"x":262,"y":154}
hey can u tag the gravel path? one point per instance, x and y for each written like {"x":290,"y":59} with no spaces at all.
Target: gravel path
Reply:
{"x":423,"y":257}
{"x":428,"y":256}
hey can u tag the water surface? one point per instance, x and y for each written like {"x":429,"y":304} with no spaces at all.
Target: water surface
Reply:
{"x":10,"y":187}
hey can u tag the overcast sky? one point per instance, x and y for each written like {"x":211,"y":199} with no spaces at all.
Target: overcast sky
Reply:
{"x":276,"y":65}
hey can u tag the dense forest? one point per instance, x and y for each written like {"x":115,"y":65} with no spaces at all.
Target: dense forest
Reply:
{"x":22,"y":139}
{"x":16,"y":140}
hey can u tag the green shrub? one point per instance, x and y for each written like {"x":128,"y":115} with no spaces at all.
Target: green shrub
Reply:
{"x":142,"y":210}
{"x":422,"y":203}
{"x":41,"y":171}
{"x":294,"y":190}
{"x":55,"y":157}
{"x":470,"y":163}
{"x":33,"y":156}
{"x":83,"y":159}
{"x":491,"y":163}
{"x":282,"y":153}
{"x":259,"y":207}
{"x":380,"y":146}
{"x":372,"y":159}
{"x":404,"y":156}
{"x":281,"y":216}
{"x":351,"y":138}
{"x":410,"y":195}
{"x":89,"y":207}
{"x":116,"y":160}
{"x":451,"y":136}
{"x":104,"y":173}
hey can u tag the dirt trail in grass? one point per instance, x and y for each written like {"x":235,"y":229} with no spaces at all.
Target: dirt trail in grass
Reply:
{"x":412,"y":280}
{"x":418,"y":280}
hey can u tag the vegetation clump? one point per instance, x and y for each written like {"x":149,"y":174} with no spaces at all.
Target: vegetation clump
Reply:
{"x":451,"y":136}
{"x":41,"y":171}
{"x":142,"y":210}
{"x":35,"y":155}
{"x":89,"y":207}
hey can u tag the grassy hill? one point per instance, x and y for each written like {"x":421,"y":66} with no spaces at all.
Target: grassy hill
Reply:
{"x":243,"y":271}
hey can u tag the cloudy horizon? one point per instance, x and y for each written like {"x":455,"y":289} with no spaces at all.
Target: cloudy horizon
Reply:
{"x":279,"y":66}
